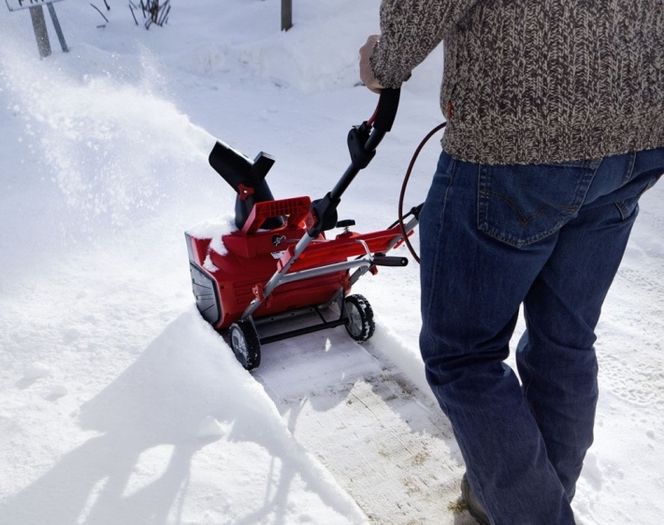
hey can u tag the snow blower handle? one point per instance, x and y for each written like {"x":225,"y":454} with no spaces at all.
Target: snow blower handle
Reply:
{"x":386,"y":111}
{"x":362,"y":143}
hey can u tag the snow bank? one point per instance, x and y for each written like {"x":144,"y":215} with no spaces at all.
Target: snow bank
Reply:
{"x":149,"y":444}
{"x":117,"y":403}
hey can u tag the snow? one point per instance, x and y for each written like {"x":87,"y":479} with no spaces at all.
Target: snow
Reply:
{"x":214,"y":230}
{"x":119,"y":404}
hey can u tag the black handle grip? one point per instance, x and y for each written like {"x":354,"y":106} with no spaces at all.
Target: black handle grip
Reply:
{"x":386,"y":112}
{"x":386,"y":260}
{"x":362,"y":143}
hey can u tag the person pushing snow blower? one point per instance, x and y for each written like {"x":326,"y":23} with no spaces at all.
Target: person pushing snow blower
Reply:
{"x":555,"y":128}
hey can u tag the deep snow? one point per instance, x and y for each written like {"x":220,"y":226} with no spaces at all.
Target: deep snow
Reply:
{"x":119,"y":405}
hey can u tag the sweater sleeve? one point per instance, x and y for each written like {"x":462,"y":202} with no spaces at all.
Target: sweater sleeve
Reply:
{"x":410,"y":30}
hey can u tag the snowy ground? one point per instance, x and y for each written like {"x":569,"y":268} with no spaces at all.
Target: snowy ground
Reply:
{"x":118,"y":404}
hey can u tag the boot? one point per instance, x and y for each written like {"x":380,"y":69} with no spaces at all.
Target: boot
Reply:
{"x":474,"y":506}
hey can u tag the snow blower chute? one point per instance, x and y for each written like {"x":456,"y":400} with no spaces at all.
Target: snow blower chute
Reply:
{"x":279,"y":268}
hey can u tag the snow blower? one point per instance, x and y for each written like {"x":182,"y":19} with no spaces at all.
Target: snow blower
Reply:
{"x":280,"y":269}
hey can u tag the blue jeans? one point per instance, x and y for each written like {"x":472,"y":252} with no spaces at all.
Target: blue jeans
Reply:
{"x":550,"y":237}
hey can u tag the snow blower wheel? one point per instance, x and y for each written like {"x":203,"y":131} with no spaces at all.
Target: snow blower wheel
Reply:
{"x":360,"y":323}
{"x":245,"y":344}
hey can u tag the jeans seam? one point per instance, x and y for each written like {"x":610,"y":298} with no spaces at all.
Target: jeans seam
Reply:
{"x":622,"y":209}
{"x":441,"y":222}
{"x":482,"y":197}
{"x":630,"y":171}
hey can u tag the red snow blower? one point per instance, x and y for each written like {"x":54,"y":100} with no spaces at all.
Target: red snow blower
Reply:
{"x":279,"y":268}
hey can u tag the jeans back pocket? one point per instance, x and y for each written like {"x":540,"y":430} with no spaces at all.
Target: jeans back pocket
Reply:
{"x":522,"y":204}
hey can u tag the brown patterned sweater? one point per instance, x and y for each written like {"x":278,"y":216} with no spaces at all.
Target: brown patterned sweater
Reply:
{"x":535,"y":81}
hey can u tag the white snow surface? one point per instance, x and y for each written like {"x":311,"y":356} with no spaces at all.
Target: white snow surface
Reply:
{"x":120,"y":405}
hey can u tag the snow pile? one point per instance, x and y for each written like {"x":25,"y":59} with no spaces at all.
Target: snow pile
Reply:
{"x":162,"y":441}
{"x":118,"y":404}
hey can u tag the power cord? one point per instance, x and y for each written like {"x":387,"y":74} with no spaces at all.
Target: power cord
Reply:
{"x":414,"y":211}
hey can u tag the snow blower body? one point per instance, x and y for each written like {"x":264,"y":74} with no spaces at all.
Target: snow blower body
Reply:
{"x":280,"y":269}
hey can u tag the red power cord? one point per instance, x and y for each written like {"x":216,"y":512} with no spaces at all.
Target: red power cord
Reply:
{"x":402,"y":195}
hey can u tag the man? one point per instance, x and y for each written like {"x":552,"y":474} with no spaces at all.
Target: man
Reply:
{"x":555,"y":116}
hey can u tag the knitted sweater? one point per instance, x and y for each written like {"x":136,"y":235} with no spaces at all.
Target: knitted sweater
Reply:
{"x":530,"y":81}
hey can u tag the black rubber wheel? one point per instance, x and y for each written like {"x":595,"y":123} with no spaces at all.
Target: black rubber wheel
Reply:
{"x":360,"y":323}
{"x":245,"y":344}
